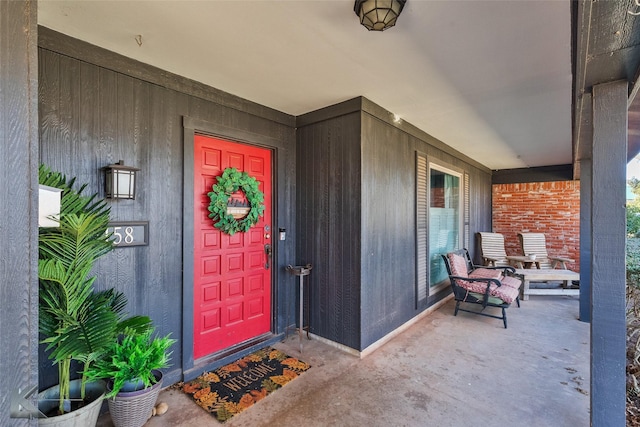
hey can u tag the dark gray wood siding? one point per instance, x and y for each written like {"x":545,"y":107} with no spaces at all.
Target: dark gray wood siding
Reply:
{"x":388,"y":208}
{"x":388,"y":229}
{"x":19,"y":203}
{"x":356,"y":217}
{"x":328,"y":217}
{"x":93,"y":115}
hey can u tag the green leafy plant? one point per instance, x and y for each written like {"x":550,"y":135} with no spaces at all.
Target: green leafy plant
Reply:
{"x":633,"y":326}
{"x":76,"y":322}
{"x":132,"y":358}
{"x":633,"y":220}
{"x":229,"y":182}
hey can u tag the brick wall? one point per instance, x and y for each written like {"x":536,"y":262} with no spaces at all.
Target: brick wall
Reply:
{"x":552,"y":208}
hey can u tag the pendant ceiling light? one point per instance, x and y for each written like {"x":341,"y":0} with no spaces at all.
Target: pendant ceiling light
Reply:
{"x":378,"y":15}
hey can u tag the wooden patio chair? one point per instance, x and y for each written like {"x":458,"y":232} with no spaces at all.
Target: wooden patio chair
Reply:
{"x":535,"y":244}
{"x":484,"y":286}
{"x":492,"y":249}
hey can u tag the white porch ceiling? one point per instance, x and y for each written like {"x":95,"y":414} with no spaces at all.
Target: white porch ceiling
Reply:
{"x":491,"y":79}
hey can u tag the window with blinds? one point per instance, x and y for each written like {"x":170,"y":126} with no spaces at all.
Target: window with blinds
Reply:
{"x":442,"y":223}
{"x":422,"y":212}
{"x":467,"y":233}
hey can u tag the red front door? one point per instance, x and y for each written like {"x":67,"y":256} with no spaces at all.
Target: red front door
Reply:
{"x":232,"y":279}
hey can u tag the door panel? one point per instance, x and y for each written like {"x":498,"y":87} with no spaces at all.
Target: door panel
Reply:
{"x":232,"y":284}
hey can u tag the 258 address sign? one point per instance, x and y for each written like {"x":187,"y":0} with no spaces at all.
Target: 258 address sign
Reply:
{"x":129,"y":233}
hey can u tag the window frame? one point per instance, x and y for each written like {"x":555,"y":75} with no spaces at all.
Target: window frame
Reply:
{"x":425,"y":294}
{"x":440,"y":167}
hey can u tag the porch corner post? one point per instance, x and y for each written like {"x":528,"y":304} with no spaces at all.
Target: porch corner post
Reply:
{"x":19,"y":204}
{"x":608,"y":324}
{"x":583,"y":139}
{"x":586,"y":231}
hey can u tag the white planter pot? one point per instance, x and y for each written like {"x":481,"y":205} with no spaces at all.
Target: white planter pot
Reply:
{"x":84,"y":417}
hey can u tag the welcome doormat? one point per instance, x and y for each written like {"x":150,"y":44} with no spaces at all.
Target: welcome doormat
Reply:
{"x":235,"y":387}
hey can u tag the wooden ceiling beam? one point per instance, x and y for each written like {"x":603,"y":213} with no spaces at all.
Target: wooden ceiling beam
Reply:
{"x":607,"y":49}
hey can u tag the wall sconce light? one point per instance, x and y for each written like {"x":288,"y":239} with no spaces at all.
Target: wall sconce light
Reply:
{"x":378,"y":15}
{"x":49,"y":206}
{"x":120,"y":182}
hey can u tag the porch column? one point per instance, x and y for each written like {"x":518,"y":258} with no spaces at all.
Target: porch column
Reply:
{"x":19,"y":202}
{"x":608,"y":325}
{"x":585,"y":153}
{"x":585,"y":237}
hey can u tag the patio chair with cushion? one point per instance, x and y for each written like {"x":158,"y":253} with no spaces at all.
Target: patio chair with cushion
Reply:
{"x":492,"y":249}
{"x":485,"y":286}
{"x":535,"y":244}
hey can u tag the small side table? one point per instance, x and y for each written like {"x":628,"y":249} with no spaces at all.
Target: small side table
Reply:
{"x":301,"y":271}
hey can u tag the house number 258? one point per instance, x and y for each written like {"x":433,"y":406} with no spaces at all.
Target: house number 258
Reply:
{"x":130,"y":233}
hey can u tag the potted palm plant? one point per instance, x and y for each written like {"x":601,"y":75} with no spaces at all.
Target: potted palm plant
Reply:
{"x":131,"y":367}
{"x":77,"y":323}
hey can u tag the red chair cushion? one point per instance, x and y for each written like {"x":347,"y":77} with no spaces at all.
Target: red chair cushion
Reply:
{"x":458,"y":265}
{"x":508,"y":292}
{"x":505,"y":293}
{"x":485,"y":273}
{"x":511,"y":282}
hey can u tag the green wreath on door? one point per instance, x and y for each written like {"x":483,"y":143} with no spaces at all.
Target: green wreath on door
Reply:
{"x":229,"y":182}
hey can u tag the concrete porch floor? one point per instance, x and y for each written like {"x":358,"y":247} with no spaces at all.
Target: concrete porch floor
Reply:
{"x":442,"y":371}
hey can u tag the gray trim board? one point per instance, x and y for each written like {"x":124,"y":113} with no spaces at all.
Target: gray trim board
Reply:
{"x":227,"y":132}
{"x":187,"y":248}
{"x":19,"y":203}
{"x":608,"y":220}
{"x":583,"y":134}
{"x":537,"y":174}
{"x":635,"y":87}
{"x":586,"y":200}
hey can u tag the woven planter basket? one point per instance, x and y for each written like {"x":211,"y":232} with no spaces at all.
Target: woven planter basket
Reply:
{"x":133,"y":409}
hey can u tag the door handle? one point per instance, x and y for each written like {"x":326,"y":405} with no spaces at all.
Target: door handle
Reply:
{"x":268,"y":251}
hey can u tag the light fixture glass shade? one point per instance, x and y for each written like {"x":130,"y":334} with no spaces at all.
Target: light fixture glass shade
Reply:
{"x":120,"y":181}
{"x":378,"y":15}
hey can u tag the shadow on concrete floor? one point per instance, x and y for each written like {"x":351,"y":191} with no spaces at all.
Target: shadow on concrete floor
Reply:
{"x":442,"y":371}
